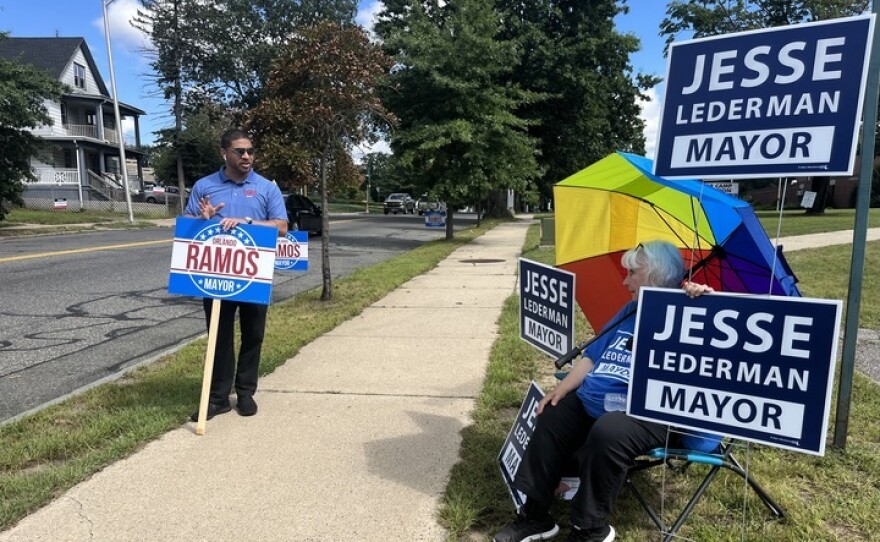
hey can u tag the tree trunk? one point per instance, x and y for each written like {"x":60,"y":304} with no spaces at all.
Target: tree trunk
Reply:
{"x":450,"y":232}
{"x":327,"y":290}
{"x":496,"y":205}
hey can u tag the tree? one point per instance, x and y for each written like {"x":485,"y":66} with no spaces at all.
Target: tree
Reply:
{"x":712,"y":17}
{"x":460,"y":136}
{"x":221,"y":52}
{"x":24,"y":90}
{"x":231,"y":44}
{"x":321,"y":100}
{"x":573,"y":55}
{"x":195,"y":148}
{"x":173,"y":27}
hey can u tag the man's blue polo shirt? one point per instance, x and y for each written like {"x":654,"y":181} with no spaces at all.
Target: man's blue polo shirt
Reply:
{"x":257,"y":197}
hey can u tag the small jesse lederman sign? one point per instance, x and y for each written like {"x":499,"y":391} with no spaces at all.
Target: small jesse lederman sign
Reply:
{"x":782,"y":101}
{"x":514,"y":448}
{"x":234,"y":265}
{"x":546,"y":307}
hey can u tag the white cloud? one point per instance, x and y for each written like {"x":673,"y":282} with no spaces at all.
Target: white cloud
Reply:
{"x":122,"y":33}
{"x":650,"y":114}
{"x":367,"y":13}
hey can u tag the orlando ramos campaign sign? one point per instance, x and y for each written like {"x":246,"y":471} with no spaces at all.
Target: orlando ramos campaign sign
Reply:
{"x":753,"y":367}
{"x":235,"y":265}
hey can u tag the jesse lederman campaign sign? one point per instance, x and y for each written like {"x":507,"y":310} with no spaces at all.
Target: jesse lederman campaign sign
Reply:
{"x":234,"y":265}
{"x":758,"y":368}
{"x":773,"y":102}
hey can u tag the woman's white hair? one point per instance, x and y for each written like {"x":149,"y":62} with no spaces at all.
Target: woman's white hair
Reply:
{"x":660,"y":259}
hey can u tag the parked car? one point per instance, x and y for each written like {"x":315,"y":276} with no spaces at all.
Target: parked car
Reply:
{"x":429,"y":203}
{"x":164,"y":194}
{"x":303,"y":214}
{"x":399,"y":202}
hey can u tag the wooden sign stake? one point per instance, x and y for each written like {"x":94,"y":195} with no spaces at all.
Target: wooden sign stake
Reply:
{"x":209,"y":366}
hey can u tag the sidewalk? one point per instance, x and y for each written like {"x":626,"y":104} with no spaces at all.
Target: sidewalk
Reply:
{"x":354,"y":440}
{"x":355,"y":437}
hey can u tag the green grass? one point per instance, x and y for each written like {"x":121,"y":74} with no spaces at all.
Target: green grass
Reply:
{"x":46,"y":453}
{"x":799,"y":223}
{"x":835,"y":497}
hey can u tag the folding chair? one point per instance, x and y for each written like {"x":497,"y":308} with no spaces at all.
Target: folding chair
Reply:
{"x":679,"y":460}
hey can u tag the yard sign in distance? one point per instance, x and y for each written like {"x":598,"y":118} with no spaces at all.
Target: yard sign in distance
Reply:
{"x":210,"y":262}
{"x":292,"y":252}
{"x":546,"y":313}
{"x":783,"y":101}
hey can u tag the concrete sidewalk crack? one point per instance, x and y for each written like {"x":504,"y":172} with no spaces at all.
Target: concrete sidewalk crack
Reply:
{"x":368,"y":394}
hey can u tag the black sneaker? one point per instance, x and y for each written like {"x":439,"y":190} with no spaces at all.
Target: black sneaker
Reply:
{"x":246,"y":405}
{"x":527,"y":530}
{"x":213,"y":410}
{"x":599,"y":534}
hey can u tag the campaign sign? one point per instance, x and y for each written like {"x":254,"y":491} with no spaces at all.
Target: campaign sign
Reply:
{"x":292,"y":252}
{"x":233,"y":265}
{"x":773,"y":102}
{"x":514,"y":448}
{"x":546,"y":313}
{"x":435,"y":218}
{"x":757,"y":368}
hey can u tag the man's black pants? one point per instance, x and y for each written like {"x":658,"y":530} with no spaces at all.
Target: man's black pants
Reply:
{"x":252,"y":320}
{"x":603,"y":448}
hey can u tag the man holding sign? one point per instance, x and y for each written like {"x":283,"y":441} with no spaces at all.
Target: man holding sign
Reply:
{"x":235,"y":195}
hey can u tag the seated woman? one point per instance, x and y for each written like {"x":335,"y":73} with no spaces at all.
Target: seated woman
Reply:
{"x":590,"y":422}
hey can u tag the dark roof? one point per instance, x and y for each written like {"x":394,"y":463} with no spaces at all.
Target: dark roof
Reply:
{"x":52,"y":55}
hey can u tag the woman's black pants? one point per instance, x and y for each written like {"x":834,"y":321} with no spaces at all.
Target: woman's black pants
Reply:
{"x":604,"y":448}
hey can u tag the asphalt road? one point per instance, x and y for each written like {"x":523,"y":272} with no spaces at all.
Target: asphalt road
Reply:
{"x":80,"y":309}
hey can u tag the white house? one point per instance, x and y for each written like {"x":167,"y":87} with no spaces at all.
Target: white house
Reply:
{"x":81,"y":161}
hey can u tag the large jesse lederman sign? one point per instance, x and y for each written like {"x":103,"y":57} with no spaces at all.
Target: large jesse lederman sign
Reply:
{"x":782,"y":101}
{"x":758,"y":368}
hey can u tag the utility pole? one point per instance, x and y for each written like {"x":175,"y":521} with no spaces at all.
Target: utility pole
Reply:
{"x":119,"y":133}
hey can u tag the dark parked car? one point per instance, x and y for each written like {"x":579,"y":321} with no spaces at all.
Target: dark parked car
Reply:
{"x":303,"y":214}
{"x":399,"y":202}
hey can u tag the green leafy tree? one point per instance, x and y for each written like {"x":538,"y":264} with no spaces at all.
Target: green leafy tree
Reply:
{"x":173,"y":26}
{"x":197,"y":146}
{"x":231,"y":44}
{"x":460,"y":136}
{"x":321,"y":99}
{"x":700,"y":18}
{"x":573,"y":55}
{"x":24,"y":90}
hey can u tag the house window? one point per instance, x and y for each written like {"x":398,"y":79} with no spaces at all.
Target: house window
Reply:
{"x":68,"y":158}
{"x":64,"y":115}
{"x":79,"y":76}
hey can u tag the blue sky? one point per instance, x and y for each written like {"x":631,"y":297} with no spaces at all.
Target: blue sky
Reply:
{"x":69,"y":18}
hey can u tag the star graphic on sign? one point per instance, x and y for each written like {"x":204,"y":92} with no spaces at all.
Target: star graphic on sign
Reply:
{"x":201,"y":282}
{"x":246,"y":241}
{"x":203,"y":237}
{"x":240,"y":234}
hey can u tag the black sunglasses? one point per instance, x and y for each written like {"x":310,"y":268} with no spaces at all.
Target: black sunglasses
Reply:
{"x":241,"y":151}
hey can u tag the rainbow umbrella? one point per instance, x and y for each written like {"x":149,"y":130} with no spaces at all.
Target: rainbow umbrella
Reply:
{"x":615,"y":204}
